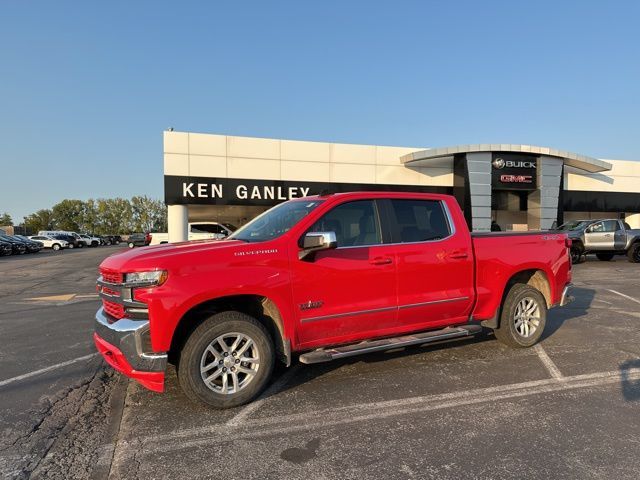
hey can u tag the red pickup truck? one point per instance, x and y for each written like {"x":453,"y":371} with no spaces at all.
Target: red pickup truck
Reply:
{"x":322,"y":277}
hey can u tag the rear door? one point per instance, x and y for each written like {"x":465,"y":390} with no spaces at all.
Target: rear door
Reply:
{"x":347,"y":293}
{"x":434,"y":264}
{"x":620,"y":236}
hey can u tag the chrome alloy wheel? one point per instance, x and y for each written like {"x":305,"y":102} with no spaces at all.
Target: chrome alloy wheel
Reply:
{"x":229,"y":363}
{"x":527,"y":317}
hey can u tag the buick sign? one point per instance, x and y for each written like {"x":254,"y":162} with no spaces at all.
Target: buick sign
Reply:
{"x":501,"y":163}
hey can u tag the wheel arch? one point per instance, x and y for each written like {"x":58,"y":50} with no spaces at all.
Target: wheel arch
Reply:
{"x":260,"y":307}
{"x":534,"y":277}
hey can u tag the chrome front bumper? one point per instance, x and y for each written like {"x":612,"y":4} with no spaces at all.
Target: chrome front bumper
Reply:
{"x":131,"y":337}
{"x":566,"y":298}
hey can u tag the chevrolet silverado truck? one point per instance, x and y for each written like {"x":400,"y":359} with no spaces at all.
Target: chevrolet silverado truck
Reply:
{"x":606,"y":238}
{"x":321,"y":278}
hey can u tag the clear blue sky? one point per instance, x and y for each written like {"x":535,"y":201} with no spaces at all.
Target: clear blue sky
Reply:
{"x":86,"y":88}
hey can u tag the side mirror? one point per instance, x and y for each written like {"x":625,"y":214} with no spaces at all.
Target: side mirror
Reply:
{"x":316,"y":241}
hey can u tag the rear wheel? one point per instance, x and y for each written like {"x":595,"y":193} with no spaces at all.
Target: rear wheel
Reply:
{"x":131,"y":245}
{"x":523,"y":317}
{"x":56,"y":247}
{"x":576,"y":254}
{"x":226,"y":361}
{"x":634,"y":253}
{"x":604,"y":257}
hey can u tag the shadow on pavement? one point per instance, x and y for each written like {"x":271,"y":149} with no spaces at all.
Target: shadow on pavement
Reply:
{"x":311,"y":372}
{"x":583,"y":297}
{"x":630,"y":388}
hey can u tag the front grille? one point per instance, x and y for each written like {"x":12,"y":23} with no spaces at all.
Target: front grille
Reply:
{"x":113,"y":309}
{"x":118,"y":300}
{"x":111,"y":276}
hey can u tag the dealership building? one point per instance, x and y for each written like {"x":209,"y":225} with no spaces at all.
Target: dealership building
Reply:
{"x":231,"y":179}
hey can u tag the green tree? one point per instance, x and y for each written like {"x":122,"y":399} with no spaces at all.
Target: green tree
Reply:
{"x":40,"y":220}
{"x":115,"y":216}
{"x":148,"y":214}
{"x":67,"y":215}
{"x":89,"y":220}
{"x":5,"y":219}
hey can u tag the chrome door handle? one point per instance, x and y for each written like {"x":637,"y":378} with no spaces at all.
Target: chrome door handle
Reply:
{"x":381,"y":261}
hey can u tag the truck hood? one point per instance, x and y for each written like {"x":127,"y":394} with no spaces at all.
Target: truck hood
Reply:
{"x":162,"y":256}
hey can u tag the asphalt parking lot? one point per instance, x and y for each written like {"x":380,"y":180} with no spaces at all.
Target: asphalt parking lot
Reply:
{"x":568,"y":408}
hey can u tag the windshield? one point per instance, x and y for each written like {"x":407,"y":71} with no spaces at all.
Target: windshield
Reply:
{"x":275,"y":221}
{"x":574,"y":225}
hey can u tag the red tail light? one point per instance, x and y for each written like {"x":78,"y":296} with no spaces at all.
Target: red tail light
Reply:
{"x":568,"y":242}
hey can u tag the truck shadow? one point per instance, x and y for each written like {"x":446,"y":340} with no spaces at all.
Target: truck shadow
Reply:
{"x":309,"y":373}
{"x":555,"y":319}
{"x":583,"y":298}
{"x":630,"y":387}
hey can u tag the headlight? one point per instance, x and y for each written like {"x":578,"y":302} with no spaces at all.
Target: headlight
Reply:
{"x":156,"y":277}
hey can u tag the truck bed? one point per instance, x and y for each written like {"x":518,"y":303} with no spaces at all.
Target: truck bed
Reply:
{"x":500,"y":255}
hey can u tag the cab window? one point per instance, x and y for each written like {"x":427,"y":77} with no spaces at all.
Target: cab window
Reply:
{"x":611,"y":225}
{"x":596,"y":228}
{"x":355,"y":224}
{"x":420,"y":220}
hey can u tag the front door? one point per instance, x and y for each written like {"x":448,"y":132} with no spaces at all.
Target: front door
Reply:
{"x":600,"y":235}
{"x":348,"y":293}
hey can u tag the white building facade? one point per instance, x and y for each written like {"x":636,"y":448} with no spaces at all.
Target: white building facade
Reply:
{"x":230,"y":179}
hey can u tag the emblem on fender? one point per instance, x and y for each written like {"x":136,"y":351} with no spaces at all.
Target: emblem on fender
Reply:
{"x":311,"y":305}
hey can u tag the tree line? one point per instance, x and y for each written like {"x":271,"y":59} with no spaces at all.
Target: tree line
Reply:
{"x":102,"y":216}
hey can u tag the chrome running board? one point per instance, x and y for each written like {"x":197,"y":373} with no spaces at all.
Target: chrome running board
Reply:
{"x":328,"y":354}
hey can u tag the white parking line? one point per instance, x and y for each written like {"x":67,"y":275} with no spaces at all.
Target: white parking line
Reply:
{"x":623,"y":295}
{"x":45,"y":370}
{"x":317,"y":419}
{"x":548,"y":363}
{"x":274,"y":388}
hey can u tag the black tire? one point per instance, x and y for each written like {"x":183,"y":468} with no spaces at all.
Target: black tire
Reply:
{"x":131,"y":245}
{"x":604,"y":257}
{"x":94,"y":244}
{"x":70,"y":246}
{"x":508,"y":332}
{"x":195,"y":350}
{"x":55,"y":246}
{"x":633,"y":254}
{"x":576,"y":254}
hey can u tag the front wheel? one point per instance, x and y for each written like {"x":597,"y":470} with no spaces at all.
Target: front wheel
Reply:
{"x":226,"y":361}
{"x":131,"y":245}
{"x":70,"y":246}
{"x":634,"y":253}
{"x":604,"y":257}
{"x":523,"y":317}
{"x":56,"y":247}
